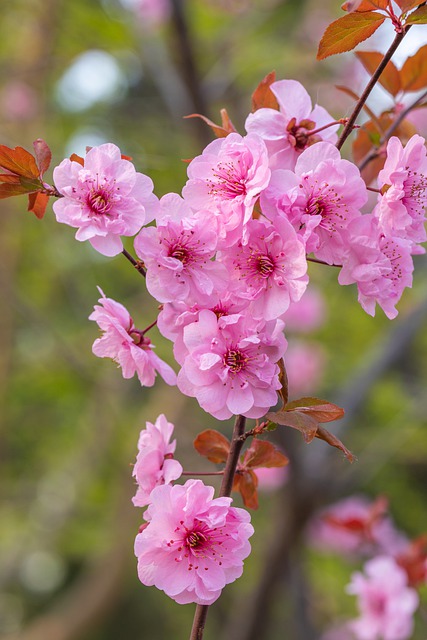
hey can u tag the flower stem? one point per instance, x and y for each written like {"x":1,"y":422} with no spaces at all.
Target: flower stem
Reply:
{"x":372,"y":82}
{"x":322,"y":262}
{"x":136,"y":263}
{"x":225,"y":490}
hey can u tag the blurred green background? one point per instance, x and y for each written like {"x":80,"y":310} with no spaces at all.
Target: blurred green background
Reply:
{"x":81,"y":73}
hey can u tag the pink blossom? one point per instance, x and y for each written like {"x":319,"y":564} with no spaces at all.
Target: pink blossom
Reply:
{"x":175,"y":316}
{"x":271,"y":478}
{"x":178,"y":254}
{"x":308,"y":314}
{"x":320,"y":199}
{"x":386,"y":603}
{"x":382,"y":267}
{"x":154,"y":463}
{"x":126,"y":345}
{"x":194,"y":544}
{"x":104,"y":199}
{"x":401,"y":209}
{"x":356,"y":526}
{"x":227,"y":179}
{"x":270,"y":270}
{"x":305,"y":363}
{"x":230,"y":367}
{"x":289,"y":131}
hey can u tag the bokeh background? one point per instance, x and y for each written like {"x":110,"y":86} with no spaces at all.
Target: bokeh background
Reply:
{"x":82,"y":73}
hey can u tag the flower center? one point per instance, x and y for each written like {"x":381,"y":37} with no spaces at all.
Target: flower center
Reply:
{"x":196,"y":539}
{"x":264,"y":265}
{"x":315,"y":207}
{"x":179,"y":253}
{"x":298,"y":134}
{"x":235,"y":360}
{"x":99,"y":201}
{"x":229,"y":181}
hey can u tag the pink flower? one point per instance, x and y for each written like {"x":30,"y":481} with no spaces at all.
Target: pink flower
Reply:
{"x":288,"y":132}
{"x":401,"y":209}
{"x":271,"y":478}
{"x":356,"y":526}
{"x":194,"y":544}
{"x":178,"y":254}
{"x":231,"y":364}
{"x":320,"y":199}
{"x":270,"y":270}
{"x":104,"y":199}
{"x":386,"y":603}
{"x":154,"y":464}
{"x":126,"y":345}
{"x":308,"y":314}
{"x":382,"y":267}
{"x":305,"y":364}
{"x":227,"y":179}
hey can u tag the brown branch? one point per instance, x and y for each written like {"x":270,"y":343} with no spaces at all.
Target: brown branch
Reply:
{"x":392,"y":128}
{"x":371,"y":84}
{"x":225,"y":490}
{"x":136,"y":263}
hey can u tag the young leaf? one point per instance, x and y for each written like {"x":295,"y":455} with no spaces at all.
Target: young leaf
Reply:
{"x":364,"y":5}
{"x":247,"y":482}
{"x":18,"y":161}
{"x":418,"y":17}
{"x":7,"y":190}
{"x":407,"y":5}
{"x":283,"y":379}
{"x":263,"y":97}
{"x":347,"y":32}
{"x":263,"y":454}
{"x":390,"y":77}
{"x":43,"y":155}
{"x":297,"y":420}
{"x":37,"y":203}
{"x":221,"y":131}
{"x":414,"y":72}
{"x":333,"y":441}
{"x":319,"y":410}
{"x":212,"y":445}
{"x":75,"y":158}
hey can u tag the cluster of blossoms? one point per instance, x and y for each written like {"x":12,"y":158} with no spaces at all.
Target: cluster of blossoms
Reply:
{"x":191,"y":544}
{"x":386,"y":589}
{"x":227,"y":259}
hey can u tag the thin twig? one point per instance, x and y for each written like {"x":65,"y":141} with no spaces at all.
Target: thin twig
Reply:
{"x":392,"y":128}
{"x":225,"y":490}
{"x":372,"y":82}
{"x":138,"y":265}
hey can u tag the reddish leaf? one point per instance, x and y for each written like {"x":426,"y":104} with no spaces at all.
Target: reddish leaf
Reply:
{"x":407,"y":5}
{"x":319,"y":410}
{"x":43,"y":155}
{"x":414,"y":561}
{"x":18,"y":161}
{"x":8,"y":190}
{"x":10,"y":178}
{"x":332,"y":440}
{"x":263,"y":454}
{"x":283,"y":379}
{"x":414,"y":72}
{"x":297,"y":420}
{"x":247,"y":482}
{"x":418,"y":17}
{"x":218,"y":130}
{"x":365,"y":5}
{"x":263,"y":97}
{"x":390,"y":77}
{"x":347,"y":32}
{"x":212,"y":445}
{"x":37,"y":203}
{"x":75,"y":158}
{"x":123,"y":157}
